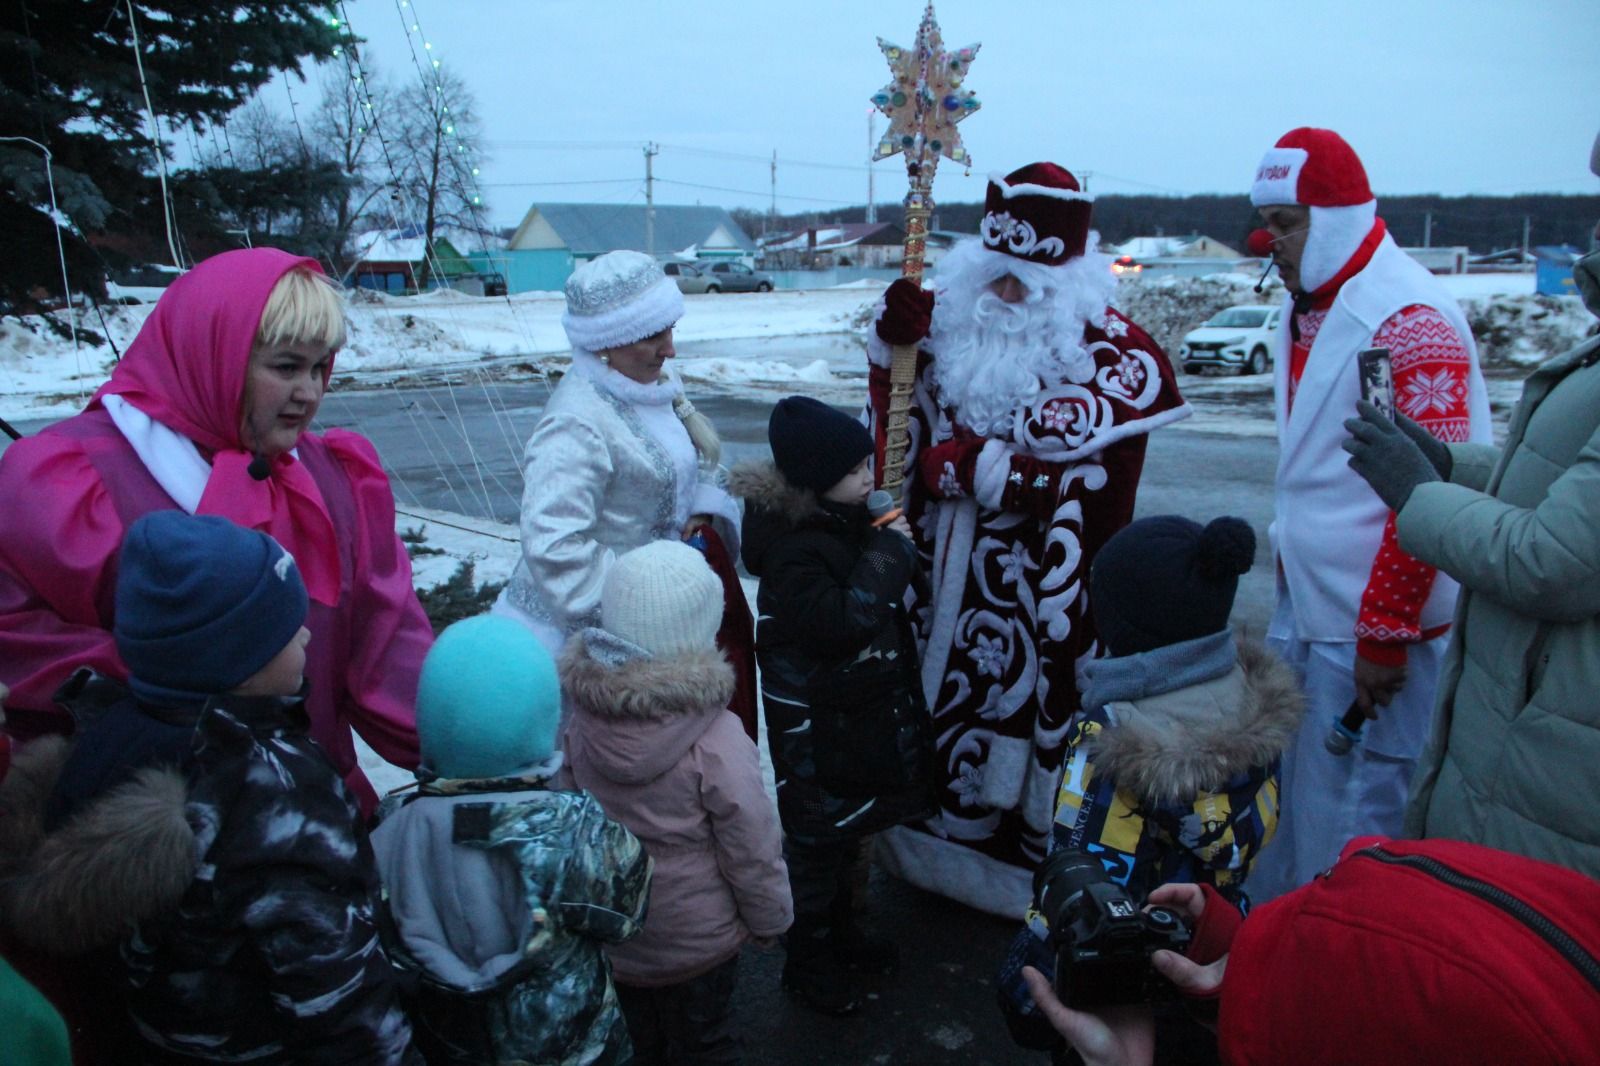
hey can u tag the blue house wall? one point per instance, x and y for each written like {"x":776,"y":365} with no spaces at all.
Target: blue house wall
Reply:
{"x":537,"y":270}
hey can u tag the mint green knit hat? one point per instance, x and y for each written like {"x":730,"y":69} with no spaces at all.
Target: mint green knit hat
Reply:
{"x":488,"y":701}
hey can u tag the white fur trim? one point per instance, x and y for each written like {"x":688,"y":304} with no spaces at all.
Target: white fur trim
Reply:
{"x":989,"y":473}
{"x":656,"y":394}
{"x":1336,"y":233}
{"x":955,"y":871}
{"x":1278,"y":177}
{"x":1026,"y":189}
{"x":1004,"y":771}
{"x":656,"y":309}
{"x":954,"y":524}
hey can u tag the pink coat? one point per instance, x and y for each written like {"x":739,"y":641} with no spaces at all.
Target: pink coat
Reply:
{"x":69,"y":492}
{"x":652,"y":740}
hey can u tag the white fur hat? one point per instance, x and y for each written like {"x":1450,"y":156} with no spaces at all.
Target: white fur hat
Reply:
{"x":619,"y":298}
{"x":663,"y":597}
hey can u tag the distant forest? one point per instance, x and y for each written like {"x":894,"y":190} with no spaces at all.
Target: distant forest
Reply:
{"x":1482,"y":223}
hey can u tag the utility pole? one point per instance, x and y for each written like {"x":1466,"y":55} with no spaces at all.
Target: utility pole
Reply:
{"x":650,"y":153}
{"x":872,"y":144}
{"x":1085,"y":175}
{"x":1527,"y":226}
{"x":1427,"y":230}
{"x":772,"y":209}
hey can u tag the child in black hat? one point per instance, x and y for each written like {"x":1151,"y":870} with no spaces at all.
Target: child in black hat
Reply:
{"x":847,"y":727}
{"x":1172,"y":766}
{"x":197,"y":842}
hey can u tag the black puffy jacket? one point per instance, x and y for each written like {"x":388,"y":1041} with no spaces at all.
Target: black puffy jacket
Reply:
{"x":849,"y":732}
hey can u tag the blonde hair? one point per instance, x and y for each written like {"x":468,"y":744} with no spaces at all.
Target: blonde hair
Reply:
{"x":702,"y":434}
{"x":304,"y":307}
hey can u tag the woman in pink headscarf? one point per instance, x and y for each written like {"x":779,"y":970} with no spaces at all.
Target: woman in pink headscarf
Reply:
{"x":209,"y":412}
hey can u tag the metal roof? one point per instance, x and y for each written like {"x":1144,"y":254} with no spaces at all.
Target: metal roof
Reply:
{"x":591,"y":229}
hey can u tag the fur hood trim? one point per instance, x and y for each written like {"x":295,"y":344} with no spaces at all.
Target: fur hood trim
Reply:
{"x":127,"y":857}
{"x":23,"y":794}
{"x":695,"y":683}
{"x":1168,"y":748}
{"x":763,"y":484}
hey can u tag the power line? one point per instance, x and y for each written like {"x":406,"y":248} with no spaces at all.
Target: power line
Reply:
{"x":752,"y":192}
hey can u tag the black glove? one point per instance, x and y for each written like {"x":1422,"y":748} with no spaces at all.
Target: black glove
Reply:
{"x":1437,"y":451}
{"x":1386,"y":457}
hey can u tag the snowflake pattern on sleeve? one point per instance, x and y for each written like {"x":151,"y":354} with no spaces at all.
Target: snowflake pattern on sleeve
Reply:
{"x":1431,"y":365}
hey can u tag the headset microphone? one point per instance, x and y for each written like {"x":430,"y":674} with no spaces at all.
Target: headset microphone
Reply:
{"x":1260,"y":244}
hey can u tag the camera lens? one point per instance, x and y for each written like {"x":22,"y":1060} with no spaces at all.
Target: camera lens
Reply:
{"x":1060,"y":878}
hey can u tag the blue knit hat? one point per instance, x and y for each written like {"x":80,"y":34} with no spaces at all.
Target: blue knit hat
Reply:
{"x":488,"y":701}
{"x":202,"y":605}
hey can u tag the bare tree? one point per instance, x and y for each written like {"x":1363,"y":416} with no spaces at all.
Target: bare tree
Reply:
{"x":345,"y":127}
{"x":441,"y":145}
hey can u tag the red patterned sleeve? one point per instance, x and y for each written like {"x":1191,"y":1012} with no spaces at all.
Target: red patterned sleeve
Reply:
{"x":1431,"y":365}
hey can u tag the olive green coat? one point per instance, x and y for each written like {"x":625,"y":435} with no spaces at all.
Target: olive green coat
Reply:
{"x":1514,"y":758}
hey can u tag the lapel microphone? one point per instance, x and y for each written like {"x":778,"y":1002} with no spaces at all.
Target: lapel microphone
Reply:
{"x":260,"y":467}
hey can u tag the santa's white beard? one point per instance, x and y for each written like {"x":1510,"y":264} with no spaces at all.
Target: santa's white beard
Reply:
{"x":991,"y":357}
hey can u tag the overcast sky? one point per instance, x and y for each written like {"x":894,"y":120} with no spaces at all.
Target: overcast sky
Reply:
{"x":1167,"y":96}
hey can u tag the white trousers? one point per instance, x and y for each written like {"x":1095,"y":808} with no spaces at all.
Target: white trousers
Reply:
{"x":1327,"y":799}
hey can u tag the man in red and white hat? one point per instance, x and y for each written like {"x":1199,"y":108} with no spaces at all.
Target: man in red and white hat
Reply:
{"x":1031,"y":404}
{"x":1358,"y":618}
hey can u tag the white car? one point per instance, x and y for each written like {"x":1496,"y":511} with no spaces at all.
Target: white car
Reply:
{"x":1239,"y":338}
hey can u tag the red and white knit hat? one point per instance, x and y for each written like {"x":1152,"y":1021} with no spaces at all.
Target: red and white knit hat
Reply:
{"x":1039,"y":214}
{"x":1318,"y":169}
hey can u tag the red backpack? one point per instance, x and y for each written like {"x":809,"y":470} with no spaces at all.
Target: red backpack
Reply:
{"x":1418,"y":952}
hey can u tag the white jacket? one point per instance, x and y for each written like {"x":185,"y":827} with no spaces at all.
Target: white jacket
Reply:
{"x":1328,"y":523}
{"x":608,"y":468}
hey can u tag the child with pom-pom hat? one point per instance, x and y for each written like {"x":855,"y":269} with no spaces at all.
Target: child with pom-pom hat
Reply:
{"x":1172,"y":767}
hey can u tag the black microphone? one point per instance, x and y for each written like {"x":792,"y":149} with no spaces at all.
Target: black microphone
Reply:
{"x":260,"y":467}
{"x":1346,"y":731}
{"x":882,"y":508}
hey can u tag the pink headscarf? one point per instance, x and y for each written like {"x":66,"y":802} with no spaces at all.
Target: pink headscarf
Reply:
{"x":186,"y":369}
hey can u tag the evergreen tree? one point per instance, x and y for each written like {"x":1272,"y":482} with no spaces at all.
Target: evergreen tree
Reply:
{"x":69,"y":80}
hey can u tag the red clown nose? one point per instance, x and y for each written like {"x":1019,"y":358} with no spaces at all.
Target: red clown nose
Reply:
{"x":1259,"y":242}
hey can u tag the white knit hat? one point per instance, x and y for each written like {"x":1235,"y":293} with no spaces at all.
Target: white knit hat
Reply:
{"x":663,"y":597}
{"x":619,"y":298}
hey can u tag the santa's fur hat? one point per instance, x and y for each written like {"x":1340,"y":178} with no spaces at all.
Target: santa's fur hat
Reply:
{"x":1317,"y":169}
{"x":1038,"y":213}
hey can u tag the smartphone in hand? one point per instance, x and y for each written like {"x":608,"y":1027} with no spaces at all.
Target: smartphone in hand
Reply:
{"x":1377,"y":379}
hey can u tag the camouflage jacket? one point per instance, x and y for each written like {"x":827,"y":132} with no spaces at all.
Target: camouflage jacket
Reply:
{"x":501,"y":893}
{"x":235,"y":894}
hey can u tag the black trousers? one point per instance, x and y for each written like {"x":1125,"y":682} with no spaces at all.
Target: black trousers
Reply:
{"x":821,"y":876}
{"x":688,"y":1023}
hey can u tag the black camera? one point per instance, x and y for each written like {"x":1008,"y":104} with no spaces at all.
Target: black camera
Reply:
{"x":1102,"y":939}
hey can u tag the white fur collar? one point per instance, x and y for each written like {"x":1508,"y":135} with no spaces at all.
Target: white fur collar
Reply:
{"x":623,"y":387}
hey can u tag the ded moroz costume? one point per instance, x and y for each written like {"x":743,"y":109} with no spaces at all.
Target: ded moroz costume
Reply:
{"x":1029,"y":411}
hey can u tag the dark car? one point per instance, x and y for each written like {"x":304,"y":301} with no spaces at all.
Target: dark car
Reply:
{"x":725,"y":276}
{"x":494,"y":284}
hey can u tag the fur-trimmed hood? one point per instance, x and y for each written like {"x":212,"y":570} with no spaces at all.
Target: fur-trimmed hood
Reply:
{"x":128,"y":856}
{"x":637,"y":719}
{"x":773,"y":506}
{"x":1172,"y":746}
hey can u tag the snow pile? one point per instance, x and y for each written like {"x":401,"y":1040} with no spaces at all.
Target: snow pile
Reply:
{"x":718,"y":371}
{"x":1514,"y":326}
{"x":1169,"y":307}
{"x":1525,"y":330}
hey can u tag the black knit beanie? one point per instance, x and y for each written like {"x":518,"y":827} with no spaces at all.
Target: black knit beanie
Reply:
{"x":813,"y":444}
{"x":1164,"y":580}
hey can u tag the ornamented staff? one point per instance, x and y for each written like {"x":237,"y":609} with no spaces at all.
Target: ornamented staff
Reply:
{"x":923,"y":101}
